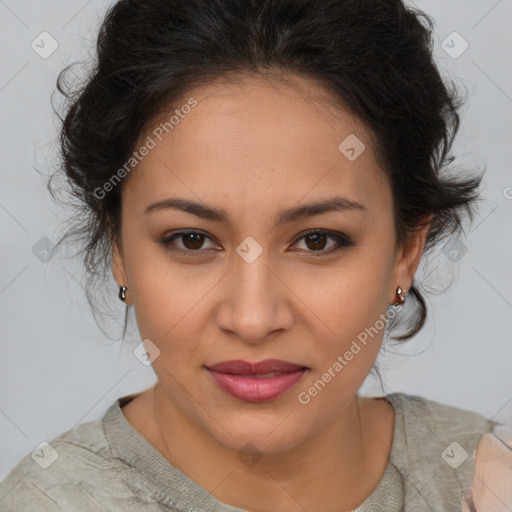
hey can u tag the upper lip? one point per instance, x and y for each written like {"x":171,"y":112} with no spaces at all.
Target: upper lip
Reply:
{"x":240,"y":367}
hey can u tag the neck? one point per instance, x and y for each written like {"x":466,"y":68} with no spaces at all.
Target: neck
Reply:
{"x":334,"y":470}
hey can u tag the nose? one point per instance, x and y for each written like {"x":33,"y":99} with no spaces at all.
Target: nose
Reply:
{"x":255,"y":302}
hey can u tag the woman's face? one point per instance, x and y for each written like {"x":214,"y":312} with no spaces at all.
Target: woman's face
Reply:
{"x":250,"y":283}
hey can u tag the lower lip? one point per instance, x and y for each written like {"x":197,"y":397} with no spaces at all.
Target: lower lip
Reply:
{"x":255,"y":389}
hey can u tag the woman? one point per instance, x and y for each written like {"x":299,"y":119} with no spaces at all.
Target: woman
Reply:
{"x":262,"y":179}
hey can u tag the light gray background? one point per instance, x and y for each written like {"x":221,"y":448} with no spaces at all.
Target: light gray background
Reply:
{"x":57,"y":369}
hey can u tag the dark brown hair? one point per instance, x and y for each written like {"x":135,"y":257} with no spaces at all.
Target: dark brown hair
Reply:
{"x":373,"y":55}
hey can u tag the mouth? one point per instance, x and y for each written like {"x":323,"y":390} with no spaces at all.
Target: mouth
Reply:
{"x":256,"y":382}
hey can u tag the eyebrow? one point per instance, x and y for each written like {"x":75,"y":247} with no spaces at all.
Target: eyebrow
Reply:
{"x":333,"y":204}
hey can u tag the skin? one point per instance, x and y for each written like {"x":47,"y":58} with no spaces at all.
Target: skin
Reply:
{"x":253,"y":147}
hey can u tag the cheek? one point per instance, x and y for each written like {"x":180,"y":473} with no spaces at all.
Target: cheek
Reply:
{"x":344,"y":347}
{"x":349,"y":295}
{"x":161,"y":294}
{"x":349,"y":313}
{"x":171,"y":304}
{"x":337,"y":304}
{"x":170,"y":313}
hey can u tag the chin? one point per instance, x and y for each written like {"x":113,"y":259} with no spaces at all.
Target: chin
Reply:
{"x":269,"y":432}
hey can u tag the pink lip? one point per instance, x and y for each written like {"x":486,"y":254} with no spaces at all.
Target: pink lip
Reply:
{"x":241,"y":367}
{"x":239,"y":378}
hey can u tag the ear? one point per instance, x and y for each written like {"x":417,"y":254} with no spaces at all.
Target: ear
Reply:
{"x":118,"y":267}
{"x":408,"y":258}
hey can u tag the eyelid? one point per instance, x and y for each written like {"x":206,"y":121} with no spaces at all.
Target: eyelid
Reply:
{"x":327,"y":232}
{"x":167,"y":241}
{"x":341,"y":239}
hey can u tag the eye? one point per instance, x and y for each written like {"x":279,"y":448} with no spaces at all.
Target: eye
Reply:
{"x":316,"y":241}
{"x":192,"y":241}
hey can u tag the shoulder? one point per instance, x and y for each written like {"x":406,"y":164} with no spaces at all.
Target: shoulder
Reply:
{"x":437,"y":418}
{"x":435,"y":432}
{"x":60,"y":471}
{"x":436,"y":448}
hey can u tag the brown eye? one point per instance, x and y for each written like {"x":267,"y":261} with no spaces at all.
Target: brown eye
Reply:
{"x":193,"y":241}
{"x":318,"y":241}
{"x":187,"y":242}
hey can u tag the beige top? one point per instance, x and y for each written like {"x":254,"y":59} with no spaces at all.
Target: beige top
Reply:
{"x":106,"y":465}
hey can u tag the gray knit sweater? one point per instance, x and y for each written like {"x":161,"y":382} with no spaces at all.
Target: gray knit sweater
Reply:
{"x":106,"y":465}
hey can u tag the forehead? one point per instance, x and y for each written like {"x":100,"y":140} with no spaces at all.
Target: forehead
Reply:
{"x":253,"y":110}
{"x":256,"y":137}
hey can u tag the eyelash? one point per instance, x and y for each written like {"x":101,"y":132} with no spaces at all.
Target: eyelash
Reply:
{"x":342,"y":240}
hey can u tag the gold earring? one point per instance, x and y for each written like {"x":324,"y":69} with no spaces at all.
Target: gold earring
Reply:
{"x":400,"y":296}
